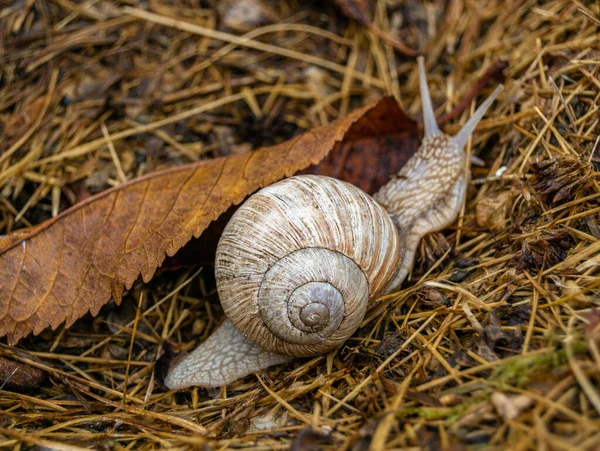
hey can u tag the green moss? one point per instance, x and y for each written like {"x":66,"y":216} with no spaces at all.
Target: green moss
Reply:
{"x":450,"y":414}
{"x":519,"y":371}
{"x":516,"y":372}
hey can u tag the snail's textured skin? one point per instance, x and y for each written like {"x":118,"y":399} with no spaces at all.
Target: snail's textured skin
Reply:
{"x":425,"y":196}
{"x":236,"y":354}
{"x":300,"y":261}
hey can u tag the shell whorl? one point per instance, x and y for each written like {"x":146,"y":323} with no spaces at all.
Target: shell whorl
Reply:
{"x":299,"y":261}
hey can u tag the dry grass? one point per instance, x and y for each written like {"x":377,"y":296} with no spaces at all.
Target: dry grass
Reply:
{"x":495,"y":338}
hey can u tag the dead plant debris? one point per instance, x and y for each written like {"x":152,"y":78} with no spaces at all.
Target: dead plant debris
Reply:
{"x":494,"y":339}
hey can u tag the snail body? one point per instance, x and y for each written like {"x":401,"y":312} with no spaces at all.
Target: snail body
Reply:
{"x":300,"y":261}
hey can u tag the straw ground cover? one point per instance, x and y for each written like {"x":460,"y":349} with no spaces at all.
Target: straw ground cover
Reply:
{"x":493,"y":340}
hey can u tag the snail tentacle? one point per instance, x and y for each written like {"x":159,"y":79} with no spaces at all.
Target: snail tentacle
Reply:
{"x":429,"y":122}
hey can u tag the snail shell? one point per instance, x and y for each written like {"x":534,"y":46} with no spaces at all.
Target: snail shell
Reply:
{"x":299,"y":261}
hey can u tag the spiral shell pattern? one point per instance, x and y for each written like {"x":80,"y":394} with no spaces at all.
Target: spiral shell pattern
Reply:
{"x":299,"y":261}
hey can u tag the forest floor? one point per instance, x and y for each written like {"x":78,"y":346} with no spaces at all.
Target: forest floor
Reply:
{"x":492,"y":341}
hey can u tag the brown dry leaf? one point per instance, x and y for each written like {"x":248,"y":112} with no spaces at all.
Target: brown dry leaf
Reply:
{"x":19,"y":376}
{"x":309,"y":439}
{"x":493,"y":211}
{"x":370,"y":152}
{"x":19,"y":122}
{"x":63,"y":268}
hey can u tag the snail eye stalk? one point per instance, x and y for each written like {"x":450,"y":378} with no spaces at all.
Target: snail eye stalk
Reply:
{"x":465,"y":133}
{"x":431,"y":127}
{"x":429,"y":122}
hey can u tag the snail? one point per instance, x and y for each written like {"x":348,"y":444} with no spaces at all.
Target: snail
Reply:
{"x":300,"y":261}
